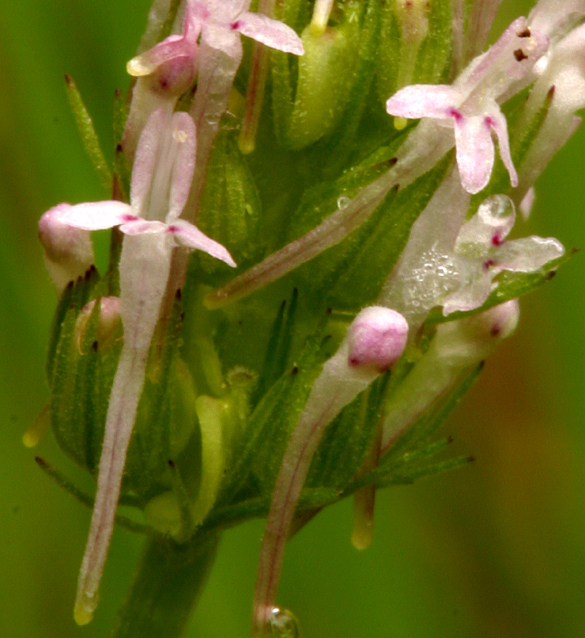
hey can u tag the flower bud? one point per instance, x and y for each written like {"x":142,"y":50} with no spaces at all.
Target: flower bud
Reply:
{"x":456,"y":349}
{"x":413,"y":21}
{"x":377,"y":338}
{"x":68,"y":250}
{"x":174,"y":77}
{"x":109,"y":321}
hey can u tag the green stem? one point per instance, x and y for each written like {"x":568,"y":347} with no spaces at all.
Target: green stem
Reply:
{"x":166,"y":586}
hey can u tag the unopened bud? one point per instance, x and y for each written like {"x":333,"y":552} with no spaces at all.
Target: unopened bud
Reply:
{"x":377,"y":338}
{"x":468,"y":341}
{"x":68,"y":250}
{"x":413,"y":20}
{"x":174,"y":77}
{"x":109,"y":321}
{"x":457,"y":348}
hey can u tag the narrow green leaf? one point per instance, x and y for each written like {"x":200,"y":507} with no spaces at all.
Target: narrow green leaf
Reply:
{"x":64,"y":483}
{"x":88,"y":133}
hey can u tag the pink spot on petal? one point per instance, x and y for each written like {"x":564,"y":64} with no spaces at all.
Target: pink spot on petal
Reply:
{"x":488,"y":264}
{"x":173,"y":229}
{"x":489,"y":121}
{"x":497,"y":240}
{"x":455,"y":114}
{"x":235,"y":25}
{"x":129,"y":218}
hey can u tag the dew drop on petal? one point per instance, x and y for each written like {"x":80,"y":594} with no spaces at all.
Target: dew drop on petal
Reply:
{"x":282,"y":623}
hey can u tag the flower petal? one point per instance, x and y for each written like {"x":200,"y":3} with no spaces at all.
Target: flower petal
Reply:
{"x":149,"y":61}
{"x":145,"y":161}
{"x":475,"y":152}
{"x":189,"y":235}
{"x":144,"y":271}
{"x":487,"y":229}
{"x":469,"y":297}
{"x":184,"y":163}
{"x":272,"y":33}
{"x":500,"y":128}
{"x":172,"y":47}
{"x":142,"y":226}
{"x":423,"y":100}
{"x":528,"y":254}
{"x":96,"y":215}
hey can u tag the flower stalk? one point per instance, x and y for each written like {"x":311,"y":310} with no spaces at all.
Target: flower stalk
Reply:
{"x":373,"y":269}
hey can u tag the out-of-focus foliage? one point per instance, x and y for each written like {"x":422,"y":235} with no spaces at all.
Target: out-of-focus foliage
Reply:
{"x":494,"y":549}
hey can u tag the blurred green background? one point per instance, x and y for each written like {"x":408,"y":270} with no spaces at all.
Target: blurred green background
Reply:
{"x":495,"y":549}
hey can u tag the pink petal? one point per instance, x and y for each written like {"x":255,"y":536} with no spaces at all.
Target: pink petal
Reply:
{"x":142,"y":226}
{"x":500,"y":127}
{"x":184,"y":163}
{"x":272,"y":33}
{"x":149,"y":61}
{"x":527,"y":203}
{"x":189,"y":235}
{"x":475,"y":152}
{"x":145,"y":161}
{"x":336,"y":386}
{"x":469,"y":297}
{"x":423,"y":100}
{"x":96,"y":215}
{"x":144,"y":270}
{"x":528,"y":254}
{"x":172,"y":47}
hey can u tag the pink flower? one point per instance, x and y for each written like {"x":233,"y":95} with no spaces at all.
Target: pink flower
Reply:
{"x":482,"y":252}
{"x":471,"y":103}
{"x":161,"y":180}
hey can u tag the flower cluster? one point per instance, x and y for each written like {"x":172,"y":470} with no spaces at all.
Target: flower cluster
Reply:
{"x":247,"y":403}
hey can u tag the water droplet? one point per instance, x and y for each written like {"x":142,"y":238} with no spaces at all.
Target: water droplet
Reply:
{"x":342,"y":202}
{"x":283,"y":624}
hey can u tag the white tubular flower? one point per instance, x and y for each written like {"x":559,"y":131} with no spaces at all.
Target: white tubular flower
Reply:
{"x":453,"y":265}
{"x":161,"y":179}
{"x":456,"y":349}
{"x":562,"y":85}
{"x":68,"y":251}
{"x":373,"y":343}
{"x":482,"y":252}
{"x":471,"y":103}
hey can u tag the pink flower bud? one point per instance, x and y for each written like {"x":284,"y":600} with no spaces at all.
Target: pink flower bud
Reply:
{"x":174,"y":77}
{"x":68,"y":250}
{"x":377,"y":338}
{"x":109,"y":321}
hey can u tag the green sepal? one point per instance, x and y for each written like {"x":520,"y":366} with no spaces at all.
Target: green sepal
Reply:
{"x":88,"y":133}
{"x":326,"y":74}
{"x":278,"y":347}
{"x":230,"y":211}
{"x":433,"y":62}
{"x":258,"y":456}
{"x":285,"y":69}
{"x":510,"y":285}
{"x":154,"y":428}
{"x":388,"y":59}
{"x":75,"y":296}
{"x":348,"y":439}
{"x":344,"y":140}
{"x":426,"y":426}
